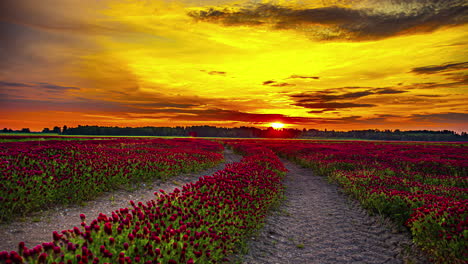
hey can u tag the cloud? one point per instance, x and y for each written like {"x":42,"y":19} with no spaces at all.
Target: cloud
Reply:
{"x":13,"y":84}
{"x":54,"y":87}
{"x":328,"y":95}
{"x":388,"y":91}
{"x":330,"y":100}
{"x":320,"y":111}
{"x":282,"y":84}
{"x":216,"y":114}
{"x":450,"y":117}
{"x":268,"y":82}
{"x":238,"y":116}
{"x":214,"y":72}
{"x":303,"y":77}
{"x":37,"y":86}
{"x":5,"y":97}
{"x":347,"y":23}
{"x":332,"y":106}
{"x":457,"y":80}
{"x":163,"y":105}
{"x":276,"y":84}
{"x":228,"y":116}
{"x":433,"y":69}
{"x":217,"y":73}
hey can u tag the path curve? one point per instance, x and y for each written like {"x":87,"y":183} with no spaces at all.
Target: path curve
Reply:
{"x":319,"y":224}
{"x":38,"y":228}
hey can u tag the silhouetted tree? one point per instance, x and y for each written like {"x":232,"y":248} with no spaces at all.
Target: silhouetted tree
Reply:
{"x":25,"y":130}
{"x":46,"y":130}
{"x":249,"y":132}
{"x":56,"y":130}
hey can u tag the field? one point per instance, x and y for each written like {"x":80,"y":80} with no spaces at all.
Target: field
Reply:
{"x":423,"y":187}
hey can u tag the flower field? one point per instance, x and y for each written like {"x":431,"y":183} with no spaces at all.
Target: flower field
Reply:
{"x":422,"y":186}
{"x":35,"y":174}
{"x":202,"y":223}
{"x":20,"y":138}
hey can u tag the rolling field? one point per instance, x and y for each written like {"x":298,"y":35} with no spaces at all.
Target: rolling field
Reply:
{"x":423,"y":187}
{"x":40,"y":173}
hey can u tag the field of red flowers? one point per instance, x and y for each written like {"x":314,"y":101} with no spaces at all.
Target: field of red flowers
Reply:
{"x":202,"y":223}
{"x":35,"y":174}
{"x":421,"y":186}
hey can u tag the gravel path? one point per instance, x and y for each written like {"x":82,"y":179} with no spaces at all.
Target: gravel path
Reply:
{"x":38,"y":228}
{"x":319,"y":224}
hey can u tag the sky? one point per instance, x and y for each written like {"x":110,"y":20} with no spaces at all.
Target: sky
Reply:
{"x":322,"y":64}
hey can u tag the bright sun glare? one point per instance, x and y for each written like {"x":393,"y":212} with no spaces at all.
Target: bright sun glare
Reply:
{"x":277,"y":125}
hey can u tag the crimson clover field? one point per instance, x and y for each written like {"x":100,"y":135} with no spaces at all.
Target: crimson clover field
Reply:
{"x":422,"y":186}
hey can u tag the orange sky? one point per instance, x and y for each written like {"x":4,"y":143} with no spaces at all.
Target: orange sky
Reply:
{"x":309,"y":64}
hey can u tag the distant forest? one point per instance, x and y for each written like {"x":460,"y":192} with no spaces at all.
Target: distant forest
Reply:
{"x":252,"y":132}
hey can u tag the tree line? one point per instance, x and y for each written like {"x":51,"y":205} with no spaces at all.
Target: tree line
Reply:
{"x":253,"y":132}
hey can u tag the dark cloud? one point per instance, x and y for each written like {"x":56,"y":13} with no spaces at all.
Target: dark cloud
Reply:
{"x":319,"y":111}
{"x":441,"y":68}
{"x":450,"y":117}
{"x":303,"y":77}
{"x":332,"y":105}
{"x":37,"y":86}
{"x":335,"y":22}
{"x":331,"y":99}
{"x":457,"y":80}
{"x":213,"y":115}
{"x":388,"y":91}
{"x":387,"y":115}
{"x":5,"y":97}
{"x":232,"y":115}
{"x":55,"y":87}
{"x":163,"y":105}
{"x":215,"y":72}
{"x":238,"y":116}
{"x":276,"y":84}
{"x":282,"y":84}
{"x":329,"y":95}
{"x":13,"y":84}
{"x":268,"y":82}
{"x":216,"y":114}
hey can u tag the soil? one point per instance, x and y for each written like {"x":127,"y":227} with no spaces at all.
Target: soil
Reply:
{"x":318,"y":223}
{"x":38,"y":227}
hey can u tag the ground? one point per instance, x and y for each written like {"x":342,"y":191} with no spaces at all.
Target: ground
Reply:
{"x":316,"y":223}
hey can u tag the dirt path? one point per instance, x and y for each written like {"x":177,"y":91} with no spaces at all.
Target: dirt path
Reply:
{"x":38,"y":228}
{"x":319,"y":224}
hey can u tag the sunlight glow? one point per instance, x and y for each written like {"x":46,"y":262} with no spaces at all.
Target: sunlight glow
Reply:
{"x":277,"y":125}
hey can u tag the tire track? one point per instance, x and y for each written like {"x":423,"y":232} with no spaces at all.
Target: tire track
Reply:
{"x":319,"y":224}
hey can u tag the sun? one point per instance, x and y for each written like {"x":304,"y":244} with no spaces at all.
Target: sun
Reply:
{"x":277,"y":125}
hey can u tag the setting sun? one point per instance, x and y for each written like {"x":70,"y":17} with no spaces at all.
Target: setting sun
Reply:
{"x":277,"y":125}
